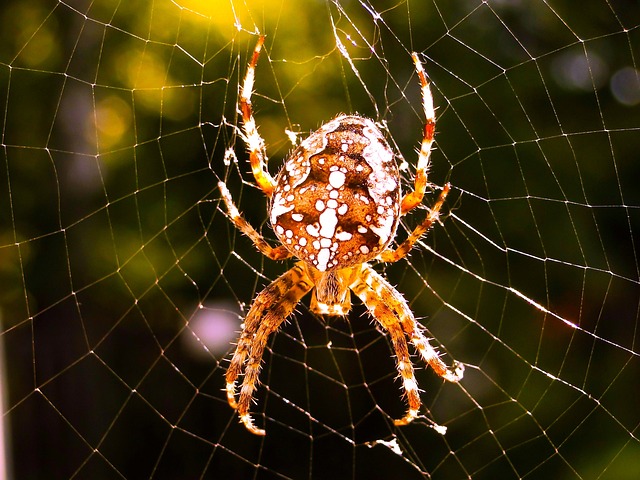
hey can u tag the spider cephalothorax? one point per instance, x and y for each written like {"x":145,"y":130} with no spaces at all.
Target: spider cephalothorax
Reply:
{"x":335,"y":205}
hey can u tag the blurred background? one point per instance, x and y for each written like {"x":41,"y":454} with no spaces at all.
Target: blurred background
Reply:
{"x":123,"y":285}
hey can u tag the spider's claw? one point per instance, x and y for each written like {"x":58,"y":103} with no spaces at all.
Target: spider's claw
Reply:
{"x":248,"y":423}
{"x":411,"y":415}
{"x":456,"y":375}
{"x":231,"y":395}
{"x":458,"y":371}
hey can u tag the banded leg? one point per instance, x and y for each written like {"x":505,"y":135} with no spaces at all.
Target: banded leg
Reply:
{"x":254,"y":141}
{"x":398,"y":304}
{"x":391,"y":255}
{"x":414,"y":198}
{"x":387,"y":319}
{"x":270,"y":308}
{"x":274,"y":253}
{"x":376,"y":288}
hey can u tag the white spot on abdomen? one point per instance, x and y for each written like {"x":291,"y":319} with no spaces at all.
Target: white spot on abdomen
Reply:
{"x":323,"y":259}
{"x":328,"y":221}
{"x":336,"y":179}
{"x":344,"y":236}
{"x":312,"y":230}
{"x":279,"y":207}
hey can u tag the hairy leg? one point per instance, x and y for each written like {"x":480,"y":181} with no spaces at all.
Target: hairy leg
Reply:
{"x":274,"y":253}
{"x":391,"y":255}
{"x":252,"y":137}
{"x":270,"y":308}
{"x":385,"y":317}
{"x":380,"y":298}
{"x":414,"y":198}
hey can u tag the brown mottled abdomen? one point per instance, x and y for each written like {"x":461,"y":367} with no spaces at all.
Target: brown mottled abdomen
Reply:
{"x":337,"y":198}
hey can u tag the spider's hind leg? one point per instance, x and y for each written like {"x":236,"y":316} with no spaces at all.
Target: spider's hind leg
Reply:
{"x":270,"y":308}
{"x":390,"y":309}
{"x":379,"y":309}
{"x":414,"y":198}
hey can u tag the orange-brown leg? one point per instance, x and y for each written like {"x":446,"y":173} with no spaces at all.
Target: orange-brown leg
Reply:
{"x":398,"y":304}
{"x":274,"y":253}
{"x":393,"y":255}
{"x":391,"y":310}
{"x":270,"y":308}
{"x":414,"y":198}
{"x":386,"y":318}
{"x":255,"y":143}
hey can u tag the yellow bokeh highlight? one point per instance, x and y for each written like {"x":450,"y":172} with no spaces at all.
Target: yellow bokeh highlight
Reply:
{"x":33,"y":34}
{"x":113,"y":118}
{"x":187,"y":46}
{"x":41,"y":49}
{"x":178,"y":103}
{"x":223,"y":13}
{"x":224,"y":19}
{"x":142,"y":69}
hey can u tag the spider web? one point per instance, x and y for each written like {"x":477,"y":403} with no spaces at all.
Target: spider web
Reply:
{"x":123,"y":284}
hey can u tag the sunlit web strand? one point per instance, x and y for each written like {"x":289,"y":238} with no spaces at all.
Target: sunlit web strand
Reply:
{"x":515,"y":353}
{"x":530,"y":301}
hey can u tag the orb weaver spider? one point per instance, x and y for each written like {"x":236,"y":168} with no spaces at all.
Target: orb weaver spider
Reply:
{"x":335,"y":205}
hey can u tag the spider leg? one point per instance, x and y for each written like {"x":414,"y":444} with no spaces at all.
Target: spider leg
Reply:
{"x":398,"y":304}
{"x":395,"y":316}
{"x":391,"y":255}
{"x":254,"y":141}
{"x":385,"y":317}
{"x":274,"y":253}
{"x":270,"y":308}
{"x":414,"y":198}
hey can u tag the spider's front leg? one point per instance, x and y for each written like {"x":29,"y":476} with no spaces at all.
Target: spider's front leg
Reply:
{"x":385,"y":317}
{"x":274,"y":253}
{"x":412,"y":329}
{"x":391,"y":255}
{"x":255,"y":143}
{"x":414,"y":198}
{"x":270,"y":308}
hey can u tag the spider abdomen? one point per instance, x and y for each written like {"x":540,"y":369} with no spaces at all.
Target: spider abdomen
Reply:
{"x":336,"y":202}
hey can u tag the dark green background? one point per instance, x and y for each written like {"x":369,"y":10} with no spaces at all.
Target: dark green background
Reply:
{"x":115,"y":122}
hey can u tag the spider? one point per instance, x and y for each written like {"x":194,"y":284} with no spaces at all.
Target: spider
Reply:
{"x":335,"y":205}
